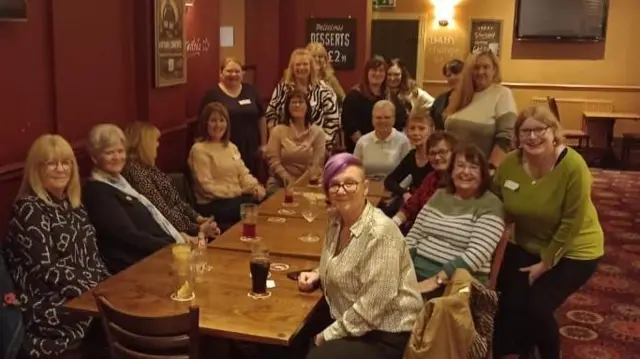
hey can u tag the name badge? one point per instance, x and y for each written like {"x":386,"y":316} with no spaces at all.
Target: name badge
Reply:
{"x":511,"y":185}
{"x":245,"y":102}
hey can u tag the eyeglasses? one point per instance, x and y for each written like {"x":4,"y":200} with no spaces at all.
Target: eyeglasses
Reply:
{"x":537,"y":131}
{"x":466,"y":166}
{"x":53,"y":165}
{"x":348,"y":187}
{"x":298,"y":103}
{"x":440,"y":153}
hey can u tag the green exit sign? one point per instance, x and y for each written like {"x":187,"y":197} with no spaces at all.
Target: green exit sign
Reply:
{"x":384,"y":3}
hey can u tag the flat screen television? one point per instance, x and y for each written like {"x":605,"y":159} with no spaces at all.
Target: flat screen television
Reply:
{"x":13,"y":10}
{"x":561,"y":20}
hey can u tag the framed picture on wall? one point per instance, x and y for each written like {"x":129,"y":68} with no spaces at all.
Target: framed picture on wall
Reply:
{"x":485,"y":34}
{"x":170,"y":50}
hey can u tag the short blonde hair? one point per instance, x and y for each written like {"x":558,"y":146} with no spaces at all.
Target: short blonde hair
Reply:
{"x":543,"y":115}
{"x":463,"y":94}
{"x":386,"y":104}
{"x":103,"y":136}
{"x":313,"y":71}
{"x":49,"y":147}
{"x":141,"y":141}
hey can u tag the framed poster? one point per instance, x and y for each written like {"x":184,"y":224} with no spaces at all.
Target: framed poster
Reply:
{"x":485,"y":35}
{"x":13,"y":10}
{"x":170,"y":45}
{"x":339,"y":38}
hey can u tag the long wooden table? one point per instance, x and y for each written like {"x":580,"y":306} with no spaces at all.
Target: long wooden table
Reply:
{"x":274,"y":205}
{"x":144,"y":289}
{"x":280,"y":238}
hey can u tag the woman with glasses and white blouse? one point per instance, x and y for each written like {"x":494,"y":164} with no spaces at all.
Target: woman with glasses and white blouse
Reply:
{"x":366,"y":273}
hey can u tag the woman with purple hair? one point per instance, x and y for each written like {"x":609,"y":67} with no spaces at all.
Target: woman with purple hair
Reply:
{"x":365,"y":271}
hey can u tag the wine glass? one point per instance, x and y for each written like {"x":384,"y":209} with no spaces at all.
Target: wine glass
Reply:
{"x":309,"y":213}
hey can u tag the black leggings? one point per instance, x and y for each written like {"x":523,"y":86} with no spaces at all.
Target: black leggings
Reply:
{"x":526,"y":314}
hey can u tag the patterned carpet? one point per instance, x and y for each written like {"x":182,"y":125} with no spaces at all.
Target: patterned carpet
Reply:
{"x":602,"y":321}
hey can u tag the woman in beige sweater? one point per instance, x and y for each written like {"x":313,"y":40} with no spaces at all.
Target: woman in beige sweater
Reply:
{"x":222,"y":181}
{"x":296,"y":145}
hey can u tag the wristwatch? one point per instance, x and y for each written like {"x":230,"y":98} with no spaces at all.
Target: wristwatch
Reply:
{"x":439,"y":281}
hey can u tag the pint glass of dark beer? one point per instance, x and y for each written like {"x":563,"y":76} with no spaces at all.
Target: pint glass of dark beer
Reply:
{"x":259,"y":267}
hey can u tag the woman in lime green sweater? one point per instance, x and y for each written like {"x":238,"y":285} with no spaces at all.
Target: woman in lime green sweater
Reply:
{"x":546,"y":189}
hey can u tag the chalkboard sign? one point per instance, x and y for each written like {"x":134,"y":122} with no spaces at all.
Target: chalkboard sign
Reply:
{"x":485,"y":35}
{"x":339,"y":38}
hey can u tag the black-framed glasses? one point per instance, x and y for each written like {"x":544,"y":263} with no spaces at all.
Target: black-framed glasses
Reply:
{"x":537,"y":131}
{"x":348,"y":187}
{"x":52,"y":165}
{"x":440,"y":153}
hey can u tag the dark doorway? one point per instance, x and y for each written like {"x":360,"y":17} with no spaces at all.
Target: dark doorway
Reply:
{"x":396,"y":38}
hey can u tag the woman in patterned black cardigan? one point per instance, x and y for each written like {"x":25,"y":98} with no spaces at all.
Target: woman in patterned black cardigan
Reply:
{"x":302,"y":75}
{"x":143,"y":175}
{"x":51,"y":249}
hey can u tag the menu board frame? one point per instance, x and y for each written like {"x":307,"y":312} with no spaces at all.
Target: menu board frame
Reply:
{"x":348,"y":52}
{"x":478,"y":43}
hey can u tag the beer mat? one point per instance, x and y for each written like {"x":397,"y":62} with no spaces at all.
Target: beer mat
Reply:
{"x":250,"y":240}
{"x":279,"y":267}
{"x":309,"y":239}
{"x":286,"y":212}
{"x":276,"y":220}
{"x":175,"y":297}
{"x":259,"y":295}
{"x":291,"y":204}
{"x":268,"y":276}
{"x":271,"y":283}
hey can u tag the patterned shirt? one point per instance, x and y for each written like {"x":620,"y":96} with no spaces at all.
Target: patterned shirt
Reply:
{"x":158,"y":187}
{"x":52,"y":256}
{"x":324,"y":109}
{"x":451,"y":232}
{"x":371,"y":284}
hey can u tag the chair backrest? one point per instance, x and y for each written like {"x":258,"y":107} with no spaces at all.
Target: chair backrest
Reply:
{"x":498,"y":256}
{"x":182,"y":181}
{"x":131,"y":337}
{"x":553,"y":106}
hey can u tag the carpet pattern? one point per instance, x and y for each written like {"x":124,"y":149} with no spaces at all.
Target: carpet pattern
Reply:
{"x":602,"y":320}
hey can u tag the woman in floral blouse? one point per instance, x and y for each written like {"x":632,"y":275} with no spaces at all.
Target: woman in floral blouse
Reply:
{"x":51,"y":249}
{"x":142,"y":173}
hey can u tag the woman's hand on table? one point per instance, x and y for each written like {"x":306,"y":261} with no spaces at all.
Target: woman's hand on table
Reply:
{"x":307,"y":281}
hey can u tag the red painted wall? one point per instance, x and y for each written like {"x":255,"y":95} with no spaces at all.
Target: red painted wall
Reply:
{"x":77,"y":63}
{"x":276,"y":27}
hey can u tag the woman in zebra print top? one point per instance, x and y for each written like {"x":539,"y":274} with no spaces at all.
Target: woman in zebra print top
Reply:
{"x":302,"y":75}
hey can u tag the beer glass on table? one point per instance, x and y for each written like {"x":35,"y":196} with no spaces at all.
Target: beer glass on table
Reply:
{"x":249,"y":218}
{"x":259,"y":266}
{"x":310,"y":211}
{"x":315,"y":173}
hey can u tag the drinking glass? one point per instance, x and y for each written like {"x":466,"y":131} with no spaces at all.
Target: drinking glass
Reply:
{"x":183,"y":286}
{"x":259,"y":268}
{"x":249,"y":218}
{"x":310,"y":212}
{"x":288,"y":196}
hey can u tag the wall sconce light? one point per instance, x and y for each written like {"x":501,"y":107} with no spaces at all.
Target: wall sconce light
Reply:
{"x":443,"y":11}
{"x":189,"y":3}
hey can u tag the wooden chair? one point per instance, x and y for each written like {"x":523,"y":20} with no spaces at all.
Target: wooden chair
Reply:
{"x":498,"y":256}
{"x":630,"y":142}
{"x":130,"y":337}
{"x":578,"y":135}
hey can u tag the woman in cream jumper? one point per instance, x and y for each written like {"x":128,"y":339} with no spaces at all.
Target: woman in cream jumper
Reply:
{"x":481,"y":111}
{"x":222,"y":181}
{"x":295,"y":146}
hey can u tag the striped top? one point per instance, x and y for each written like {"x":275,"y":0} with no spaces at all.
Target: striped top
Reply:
{"x":324,"y":109}
{"x":451,"y":233}
{"x":371,"y":284}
